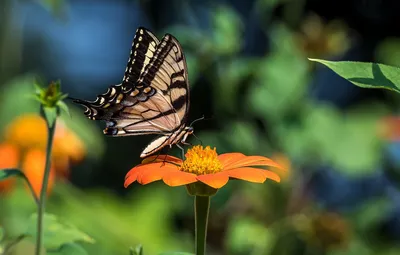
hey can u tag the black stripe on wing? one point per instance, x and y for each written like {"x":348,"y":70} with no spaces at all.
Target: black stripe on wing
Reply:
{"x":105,"y":104}
{"x":143,"y":48}
{"x":163,"y":49}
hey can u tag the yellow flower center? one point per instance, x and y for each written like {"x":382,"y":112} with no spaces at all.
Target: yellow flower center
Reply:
{"x":201,"y":161}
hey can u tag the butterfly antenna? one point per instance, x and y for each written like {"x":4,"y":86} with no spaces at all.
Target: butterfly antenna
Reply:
{"x":201,"y":142}
{"x":202,"y":118}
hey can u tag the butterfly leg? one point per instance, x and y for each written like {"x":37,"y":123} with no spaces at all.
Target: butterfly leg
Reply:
{"x":186,"y":143}
{"x":182,"y":150}
{"x":155,"y":159}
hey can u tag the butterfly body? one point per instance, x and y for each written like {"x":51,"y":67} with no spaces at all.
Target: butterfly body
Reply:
{"x":153,"y":97}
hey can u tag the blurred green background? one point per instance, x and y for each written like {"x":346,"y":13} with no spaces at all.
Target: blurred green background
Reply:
{"x":250,"y":78}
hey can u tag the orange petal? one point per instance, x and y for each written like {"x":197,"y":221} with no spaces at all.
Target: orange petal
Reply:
{"x":155,"y":173}
{"x":215,"y":181}
{"x":133,"y":174}
{"x":252,"y":161}
{"x":33,"y":167}
{"x":179,"y":178}
{"x":252,"y":174}
{"x":9,"y":157}
{"x":162,"y":158}
{"x":227,"y":158}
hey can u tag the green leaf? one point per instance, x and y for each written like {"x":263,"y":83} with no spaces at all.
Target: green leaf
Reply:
{"x":10,"y":172}
{"x":56,"y":234}
{"x":69,"y":249}
{"x":366,"y":75}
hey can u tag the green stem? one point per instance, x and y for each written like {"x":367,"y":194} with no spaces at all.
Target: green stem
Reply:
{"x":32,"y":191}
{"x":201,"y":210}
{"x":43,"y":191}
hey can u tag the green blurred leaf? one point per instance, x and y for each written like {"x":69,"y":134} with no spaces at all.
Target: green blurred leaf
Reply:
{"x":349,"y":142}
{"x":243,"y":136}
{"x":371,"y":214}
{"x":10,"y":172}
{"x":69,"y":249}
{"x":55,"y":233}
{"x":1,"y":234}
{"x":137,"y":251}
{"x":176,"y":253}
{"x":388,"y":51}
{"x":356,"y":247}
{"x":246,"y":235}
{"x":227,"y":31}
{"x":357,"y":152}
{"x":275,"y":93}
{"x":110,"y":229}
{"x":366,"y":75}
{"x":230,"y":79}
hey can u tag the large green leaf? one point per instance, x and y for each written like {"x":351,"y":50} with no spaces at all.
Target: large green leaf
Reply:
{"x":366,"y":75}
{"x":55,"y":233}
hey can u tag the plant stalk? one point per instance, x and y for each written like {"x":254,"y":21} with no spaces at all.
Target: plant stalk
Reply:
{"x":43,"y":191}
{"x":201,"y":210}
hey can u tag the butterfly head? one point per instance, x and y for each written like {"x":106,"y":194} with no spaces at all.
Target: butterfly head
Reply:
{"x":189,"y":130}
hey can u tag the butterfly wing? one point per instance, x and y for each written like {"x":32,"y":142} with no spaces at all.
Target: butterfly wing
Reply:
{"x":154,"y":100}
{"x":143,"y":48}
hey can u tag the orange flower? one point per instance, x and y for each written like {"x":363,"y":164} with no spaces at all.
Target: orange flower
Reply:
{"x":29,"y":132}
{"x":33,"y":167}
{"x":202,"y":165}
{"x":9,"y":157}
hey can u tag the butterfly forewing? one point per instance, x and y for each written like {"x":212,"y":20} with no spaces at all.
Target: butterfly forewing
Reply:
{"x":143,"y":48}
{"x":167,"y":72}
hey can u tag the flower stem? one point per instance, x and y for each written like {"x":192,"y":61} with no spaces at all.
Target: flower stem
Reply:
{"x":43,"y":191}
{"x":201,"y":210}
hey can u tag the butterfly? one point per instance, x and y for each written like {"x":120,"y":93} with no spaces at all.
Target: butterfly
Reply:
{"x":153,"y":97}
